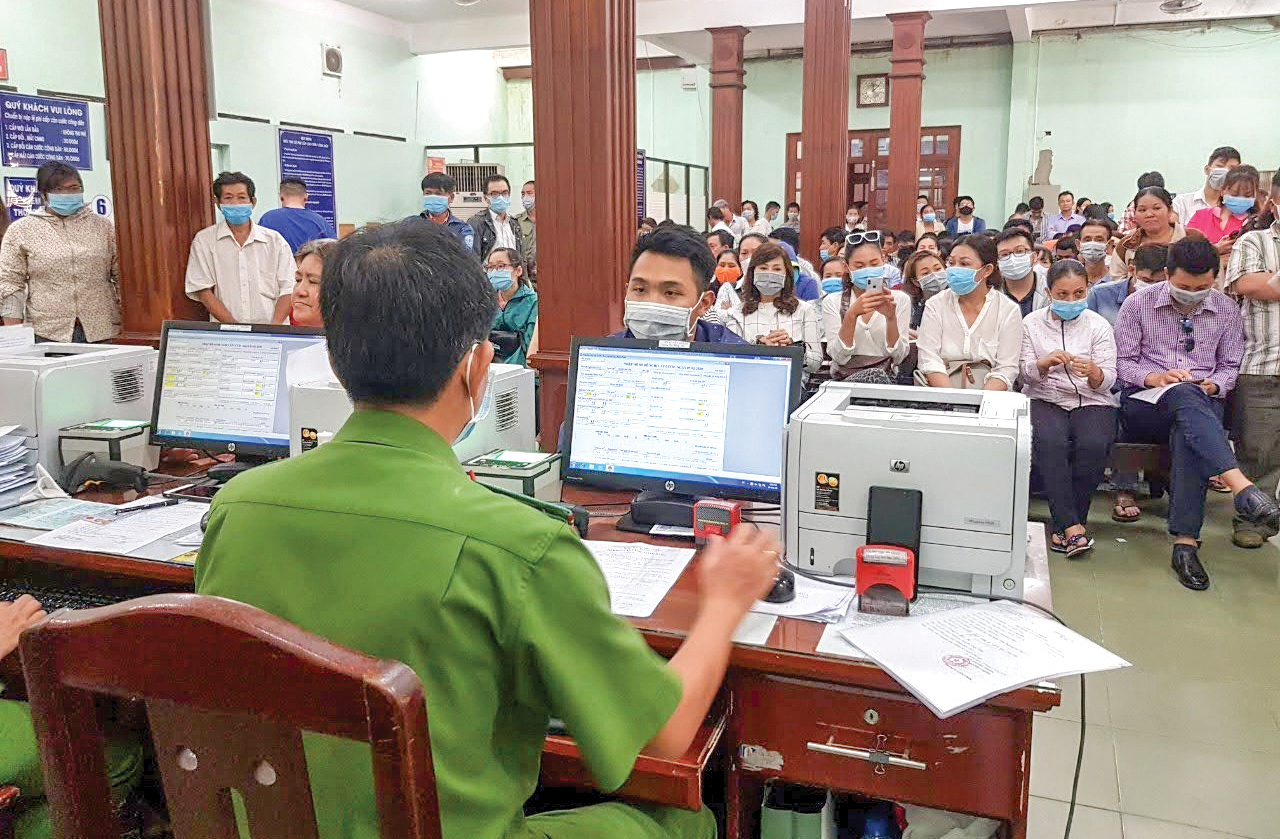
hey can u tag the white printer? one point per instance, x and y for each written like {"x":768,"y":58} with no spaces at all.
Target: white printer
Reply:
{"x":47,"y":387}
{"x":968,"y":452}
{"x":317,"y":409}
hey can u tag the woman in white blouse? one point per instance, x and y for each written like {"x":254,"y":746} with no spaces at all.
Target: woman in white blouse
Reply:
{"x":1068,"y":369}
{"x":970,"y":334}
{"x":770,"y":313}
{"x":758,"y":224}
{"x":866,"y":328}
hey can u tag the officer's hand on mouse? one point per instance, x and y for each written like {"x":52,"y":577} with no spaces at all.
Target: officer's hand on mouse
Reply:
{"x":738,"y":571}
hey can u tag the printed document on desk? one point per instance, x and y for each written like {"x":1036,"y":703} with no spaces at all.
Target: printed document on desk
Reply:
{"x":833,"y":642}
{"x":956,"y":659}
{"x":814,"y":601}
{"x":127,"y":533}
{"x":638,"y":575}
{"x":51,"y":513}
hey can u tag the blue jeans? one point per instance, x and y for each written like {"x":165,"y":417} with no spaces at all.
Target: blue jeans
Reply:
{"x":1190,"y":422}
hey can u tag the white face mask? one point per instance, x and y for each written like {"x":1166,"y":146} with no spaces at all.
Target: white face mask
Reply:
{"x":1093,"y":252}
{"x":657,"y":321}
{"x":749,"y":214}
{"x":1015,"y":266}
{"x":792,"y":215}
{"x":1188,"y":298}
{"x":851,"y":219}
{"x":1218,"y":176}
{"x":486,"y":402}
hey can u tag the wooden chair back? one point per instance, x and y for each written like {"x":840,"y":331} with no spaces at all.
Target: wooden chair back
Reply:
{"x":228,"y":689}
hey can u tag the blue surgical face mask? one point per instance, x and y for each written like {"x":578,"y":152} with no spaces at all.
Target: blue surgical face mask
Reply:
{"x":1068,"y":309}
{"x":500,"y":278}
{"x":486,"y":402}
{"x":65,"y":203}
{"x":862,"y":277}
{"x":500,"y":204}
{"x":236,"y":213}
{"x":824,"y":254}
{"x":1236,"y":204}
{"x":962,"y":280}
{"x":831,"y":285}
{"x":435,"y":204}
{"x":930,"y":218}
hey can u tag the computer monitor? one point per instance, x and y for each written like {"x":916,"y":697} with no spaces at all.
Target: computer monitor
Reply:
{"x":221,"y":387}
{"x":679,"y":419}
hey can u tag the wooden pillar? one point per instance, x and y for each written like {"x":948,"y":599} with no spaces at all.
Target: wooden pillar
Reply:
{"x":584,"y":135}
{"x":824,"y":150}
{"x":154,"y":63}
{"x":726,"y":112}
{"x":906,"y":85}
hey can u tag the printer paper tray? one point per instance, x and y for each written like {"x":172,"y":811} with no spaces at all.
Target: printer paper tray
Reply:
{"x":944,"y":549}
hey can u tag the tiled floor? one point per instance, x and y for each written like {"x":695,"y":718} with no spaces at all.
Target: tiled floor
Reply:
{"x":1186,"y":743}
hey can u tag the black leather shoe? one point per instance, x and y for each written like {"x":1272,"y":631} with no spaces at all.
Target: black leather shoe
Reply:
{"x":1186,"y":564}
{"x":1259,"y":508}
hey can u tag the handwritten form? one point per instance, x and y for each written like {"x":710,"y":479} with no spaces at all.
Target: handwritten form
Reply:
{"x":638,"y":575}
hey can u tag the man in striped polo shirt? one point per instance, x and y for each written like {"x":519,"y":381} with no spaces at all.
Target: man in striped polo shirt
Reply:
{"x":1253,"y":274}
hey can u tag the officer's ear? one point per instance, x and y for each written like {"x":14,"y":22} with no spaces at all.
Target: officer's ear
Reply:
{"x":475,"y":373}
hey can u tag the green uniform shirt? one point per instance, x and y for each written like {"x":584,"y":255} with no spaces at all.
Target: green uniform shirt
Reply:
{"x":379,"y":541}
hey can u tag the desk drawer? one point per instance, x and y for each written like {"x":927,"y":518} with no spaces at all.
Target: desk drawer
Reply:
{"x":881,"y":744}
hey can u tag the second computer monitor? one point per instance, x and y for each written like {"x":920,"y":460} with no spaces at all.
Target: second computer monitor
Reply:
{"x":680,"y":418}
{"x":223,"y":388}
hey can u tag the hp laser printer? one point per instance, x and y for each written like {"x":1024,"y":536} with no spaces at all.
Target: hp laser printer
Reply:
{"x":968,"y":452}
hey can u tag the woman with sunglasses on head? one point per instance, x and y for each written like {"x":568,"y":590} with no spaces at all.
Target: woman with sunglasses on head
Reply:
{"x":971,"y":334}
{"x":770,"y":313}
{"x":866,"y":322}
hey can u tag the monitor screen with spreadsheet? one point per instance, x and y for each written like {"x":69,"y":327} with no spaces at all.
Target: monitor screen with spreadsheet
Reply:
{"x":686,"y":418}
{"x":222,"y":387}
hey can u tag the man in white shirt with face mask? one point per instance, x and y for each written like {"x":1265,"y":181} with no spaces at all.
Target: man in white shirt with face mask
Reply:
{"x":669,"y":289}
{"x":1220,"y":162}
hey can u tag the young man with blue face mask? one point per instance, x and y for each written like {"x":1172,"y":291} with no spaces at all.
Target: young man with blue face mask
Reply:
{"x":437,"y":194}
{"x":495,"y":227}
{"x":240,"y":271}
{"x":1187,"y":334}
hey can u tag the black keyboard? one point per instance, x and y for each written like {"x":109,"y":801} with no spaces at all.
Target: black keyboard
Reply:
{"x":53,"y":597}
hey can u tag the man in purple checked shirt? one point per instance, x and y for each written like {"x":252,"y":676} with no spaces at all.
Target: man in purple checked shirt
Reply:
{"x":1186,"y":333}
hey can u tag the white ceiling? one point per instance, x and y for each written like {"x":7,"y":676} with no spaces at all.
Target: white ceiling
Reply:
{"x":679,"y":26}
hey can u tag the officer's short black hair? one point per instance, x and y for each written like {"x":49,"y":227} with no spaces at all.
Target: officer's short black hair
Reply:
{"x":228,"y":178}
{"x":680,"y":241}
{"x":440,"y":181}
{"x":52,"y":173}
{"x":402,"y":303}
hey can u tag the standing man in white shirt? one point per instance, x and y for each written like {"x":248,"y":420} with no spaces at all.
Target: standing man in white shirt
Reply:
{"x":1220,"y":162}
{"x":738,"y":226}
{"x":240,"y":271}
{"x":494,"y":227}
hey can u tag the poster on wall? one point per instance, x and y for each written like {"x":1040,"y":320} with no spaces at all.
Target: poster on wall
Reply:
{"x":21,"y":197}
{"x":308,"y":155}
{"x":641,"y":187}
{"x":34,"y":129}
{"x":435,"y":164}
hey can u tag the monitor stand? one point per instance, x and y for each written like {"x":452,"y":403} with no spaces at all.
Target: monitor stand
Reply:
{"x":653,"y":507}
{"x":220,"y":473}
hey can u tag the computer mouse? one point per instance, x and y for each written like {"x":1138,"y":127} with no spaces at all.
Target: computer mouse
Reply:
{"x":784,"y":588}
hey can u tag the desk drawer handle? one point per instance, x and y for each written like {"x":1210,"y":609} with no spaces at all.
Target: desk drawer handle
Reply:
{"x":879,"y":758}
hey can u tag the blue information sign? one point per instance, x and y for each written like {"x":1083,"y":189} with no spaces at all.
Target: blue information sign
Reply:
{"x":21,"y":197}
{"x":309,"y":156}
{"x":34,"y":129}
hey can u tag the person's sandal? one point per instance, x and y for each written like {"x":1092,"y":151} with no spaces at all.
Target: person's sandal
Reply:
{"x":1216,"y":484}
{"x":1078,"y":545}
{"x":1119,"y":512}
{"x":1058,"y":543}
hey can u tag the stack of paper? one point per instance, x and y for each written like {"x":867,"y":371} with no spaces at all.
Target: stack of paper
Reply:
{"x":638,"y":575}
{"x":955,"y":659}
{"x":17,"y":462}
{"x":833,"y":641}
{"x":125,"y":533}
{"x":814,"y":601}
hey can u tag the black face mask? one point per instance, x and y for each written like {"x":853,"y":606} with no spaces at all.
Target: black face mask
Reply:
{"x":966,"y":211}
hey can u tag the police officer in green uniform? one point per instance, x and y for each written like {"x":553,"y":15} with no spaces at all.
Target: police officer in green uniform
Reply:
{"x":19,"y":754}
{"x":379,"y":540}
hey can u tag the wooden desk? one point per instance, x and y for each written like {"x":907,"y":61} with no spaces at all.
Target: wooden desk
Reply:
{"x":784,"y":697}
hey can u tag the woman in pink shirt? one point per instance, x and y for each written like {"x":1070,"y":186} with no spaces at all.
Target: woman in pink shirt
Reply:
{"x":1223,"y":223}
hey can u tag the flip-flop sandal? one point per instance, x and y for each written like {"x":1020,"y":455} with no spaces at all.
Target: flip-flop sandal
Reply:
{"x":1218,"y":486}
{"x":1118,"y":513}
{"x":1078,"y":545}
{"x":1058,"y":543}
